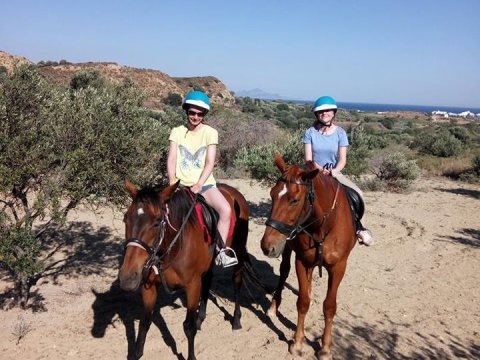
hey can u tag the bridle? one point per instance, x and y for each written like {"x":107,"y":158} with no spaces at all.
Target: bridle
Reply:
{"x":154,"y":258}
{"x":291,"y":231}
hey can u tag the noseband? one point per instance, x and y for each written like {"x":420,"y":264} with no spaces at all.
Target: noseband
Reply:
{"x":151,"y":250}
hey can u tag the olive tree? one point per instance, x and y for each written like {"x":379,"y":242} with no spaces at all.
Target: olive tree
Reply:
{"x":60,"y":147}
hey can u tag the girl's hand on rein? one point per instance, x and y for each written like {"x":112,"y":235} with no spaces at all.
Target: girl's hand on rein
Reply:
{"x":196,"y":188}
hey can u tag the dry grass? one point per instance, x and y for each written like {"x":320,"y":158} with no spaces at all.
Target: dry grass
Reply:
{"x":21,"y":328}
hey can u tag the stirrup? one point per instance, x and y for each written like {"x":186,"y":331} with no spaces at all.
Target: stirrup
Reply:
{"x":226,"y":260}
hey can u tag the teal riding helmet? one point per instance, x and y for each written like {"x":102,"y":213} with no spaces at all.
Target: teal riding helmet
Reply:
{"x":197,"y":98}
{"x":325,"y":103}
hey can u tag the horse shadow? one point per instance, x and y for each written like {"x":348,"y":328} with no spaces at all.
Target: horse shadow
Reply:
{"x":115,"y":306}
{"x":254,"y":297}
{"x":119,"y":306}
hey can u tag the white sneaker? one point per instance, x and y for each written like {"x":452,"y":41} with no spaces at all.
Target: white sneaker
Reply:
{"x":365,"y":237}
{"x":225,"y":260}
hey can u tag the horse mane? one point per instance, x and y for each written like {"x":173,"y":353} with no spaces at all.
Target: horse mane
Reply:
{"x":148,"y":195}
{"x":179,"y":205}
{"x":292,"y":172}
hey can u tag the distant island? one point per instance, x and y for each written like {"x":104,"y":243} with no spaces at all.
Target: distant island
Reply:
{"x":259,"y":94}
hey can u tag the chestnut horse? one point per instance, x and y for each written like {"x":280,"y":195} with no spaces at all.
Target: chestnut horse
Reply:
{"x":311,"y":216}
{"x":167,"y":244}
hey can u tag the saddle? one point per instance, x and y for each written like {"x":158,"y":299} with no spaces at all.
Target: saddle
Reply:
{"x":357,"y":206}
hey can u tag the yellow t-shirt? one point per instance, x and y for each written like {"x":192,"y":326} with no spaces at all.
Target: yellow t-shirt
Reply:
{"x":192,"y":153}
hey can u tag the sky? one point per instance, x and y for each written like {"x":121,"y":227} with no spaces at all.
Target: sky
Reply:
{"x":415,"y":52}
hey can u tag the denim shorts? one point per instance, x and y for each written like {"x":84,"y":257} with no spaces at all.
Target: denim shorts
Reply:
{"x":205,"y":188}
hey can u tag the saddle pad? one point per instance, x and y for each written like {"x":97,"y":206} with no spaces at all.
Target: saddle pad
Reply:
{"x":212,"y":221}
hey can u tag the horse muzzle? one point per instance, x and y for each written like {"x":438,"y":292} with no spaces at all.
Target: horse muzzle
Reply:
{"x":129,"y":280}
{"x":272,"y":246}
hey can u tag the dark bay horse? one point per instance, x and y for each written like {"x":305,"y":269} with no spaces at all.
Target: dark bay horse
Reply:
{"x":310,"y":216}
{"x":167,"y":245}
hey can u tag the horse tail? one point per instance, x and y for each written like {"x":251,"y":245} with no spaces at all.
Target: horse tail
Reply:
{"x":253,"y":276}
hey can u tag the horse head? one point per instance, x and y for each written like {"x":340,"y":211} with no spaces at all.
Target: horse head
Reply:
{"x":290,"y":205}
{"x":144,"y":228}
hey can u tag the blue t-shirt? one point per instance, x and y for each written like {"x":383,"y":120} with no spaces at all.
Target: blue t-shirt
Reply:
{"x":325,"y":147}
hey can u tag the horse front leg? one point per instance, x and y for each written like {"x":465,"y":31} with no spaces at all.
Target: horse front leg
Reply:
{"x":304,"y":276}
{"x":335,"y":276}
{"x":284,"y":272}
{"x":149,"y":298}
{"x":189,"y":325}
{"x":202,"y":310}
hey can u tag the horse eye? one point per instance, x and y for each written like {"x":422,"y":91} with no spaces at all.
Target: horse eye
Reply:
{"x":294,"y":201}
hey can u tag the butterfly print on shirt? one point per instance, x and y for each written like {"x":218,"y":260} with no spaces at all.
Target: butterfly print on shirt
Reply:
{"x":189,"y":160}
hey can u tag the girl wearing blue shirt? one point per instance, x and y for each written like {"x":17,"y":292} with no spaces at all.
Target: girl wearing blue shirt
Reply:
{"x":326,"y":145}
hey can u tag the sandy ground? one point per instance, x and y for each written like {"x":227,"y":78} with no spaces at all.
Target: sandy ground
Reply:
{"x":413,"y":295}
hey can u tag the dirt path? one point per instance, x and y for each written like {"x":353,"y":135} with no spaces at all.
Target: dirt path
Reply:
{"x":414,"y":294}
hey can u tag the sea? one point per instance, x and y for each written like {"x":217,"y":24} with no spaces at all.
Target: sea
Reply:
{"x":396,"y":107}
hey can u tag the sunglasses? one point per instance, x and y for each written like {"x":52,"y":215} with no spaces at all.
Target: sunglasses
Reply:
{"x":193,"y":113}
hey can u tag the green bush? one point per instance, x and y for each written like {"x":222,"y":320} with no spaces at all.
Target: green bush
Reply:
{"x":65,"y":146}
{"x":358,"y":152}
{"x":258,"y":160}
{"x":440,"y":143}
{"x":86,"y":78}
{"x":473,"y":174}
{"x":396,"y":172}
{"x":173,"y":99}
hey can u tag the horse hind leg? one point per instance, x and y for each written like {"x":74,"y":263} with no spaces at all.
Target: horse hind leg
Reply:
{"x":202,"y":310}
{"x":237,"y":283}
{"x":284,"y":272}
{"x":335,"y":276}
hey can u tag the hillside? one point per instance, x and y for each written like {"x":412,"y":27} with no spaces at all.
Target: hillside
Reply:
{"x":156,"y":83}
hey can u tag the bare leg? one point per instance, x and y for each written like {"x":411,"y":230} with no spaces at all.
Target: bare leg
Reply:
{"x":216,"y":200}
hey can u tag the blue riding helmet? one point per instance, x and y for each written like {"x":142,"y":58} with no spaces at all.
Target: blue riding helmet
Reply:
{"x":325,"y":103}
{"x":197,"y":98}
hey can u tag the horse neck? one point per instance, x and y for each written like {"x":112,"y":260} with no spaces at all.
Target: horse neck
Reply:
{"x":324,"y":189}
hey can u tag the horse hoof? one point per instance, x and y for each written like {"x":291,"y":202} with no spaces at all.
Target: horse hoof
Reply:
{"x":295,"y":349}
{"x":272,"y":311}
{"x":325,"y":356}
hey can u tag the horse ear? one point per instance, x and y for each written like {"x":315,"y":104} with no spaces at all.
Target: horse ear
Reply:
{"x":310,"y":174}
{"x":280,"y":163}
{"x":131,"y":188}
{"x":168,"y":192}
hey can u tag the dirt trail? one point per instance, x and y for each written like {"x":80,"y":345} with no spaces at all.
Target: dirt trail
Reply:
{"x":414,"y":294}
